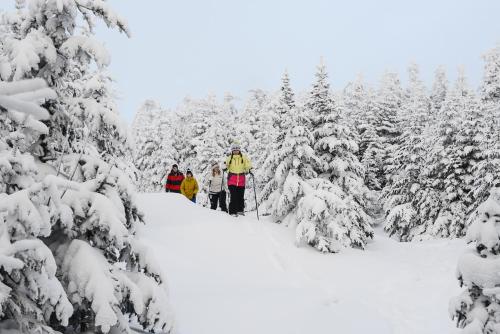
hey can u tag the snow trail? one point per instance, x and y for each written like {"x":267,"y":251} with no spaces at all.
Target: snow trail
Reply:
{"x":238,"y":275}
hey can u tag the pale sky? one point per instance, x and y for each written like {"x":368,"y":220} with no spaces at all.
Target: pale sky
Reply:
{"x":194,"y":47}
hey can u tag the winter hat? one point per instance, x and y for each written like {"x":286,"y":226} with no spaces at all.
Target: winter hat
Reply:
{"x":235,"y":147}
{"x":189,"y":172}
{"x":175,"y":166}
{"x":215,"y":164}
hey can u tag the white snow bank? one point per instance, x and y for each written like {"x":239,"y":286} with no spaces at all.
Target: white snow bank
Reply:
{"x":238,"y":275}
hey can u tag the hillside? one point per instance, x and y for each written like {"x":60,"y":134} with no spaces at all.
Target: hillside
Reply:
{"x":239,"y":275}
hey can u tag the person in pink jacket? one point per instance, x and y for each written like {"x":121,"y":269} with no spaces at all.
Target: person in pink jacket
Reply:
{"x":237,"y":166}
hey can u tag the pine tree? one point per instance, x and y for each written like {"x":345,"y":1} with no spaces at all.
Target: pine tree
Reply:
{"x":255,"y":125}
{"x":332,"y":213}
{"x":407,"y":199}
{"x":75,"y":203}
{"x":387,"y":105}
{"x":487,"y":171}
{"x":154,"y":153}
{"x":354,"y":106}
{"x":477,"y":308}
{"x":334,"y":144}
{"x":290,"y":165}
{"x":439,"y":90}
{"x":284,"y":117}
{"x":31,"y":293}
{"x":371,"y":150}
{"x":455,"y":154}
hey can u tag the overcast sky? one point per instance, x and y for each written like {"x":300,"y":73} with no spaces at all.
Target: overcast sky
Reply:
{"x":193,"y":47}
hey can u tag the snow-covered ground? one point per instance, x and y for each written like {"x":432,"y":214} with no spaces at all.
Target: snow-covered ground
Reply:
{"x":239,"y":275}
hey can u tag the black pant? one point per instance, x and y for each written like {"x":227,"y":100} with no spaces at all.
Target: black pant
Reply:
{"x":218,"y":199}
{"x":237,"y":203}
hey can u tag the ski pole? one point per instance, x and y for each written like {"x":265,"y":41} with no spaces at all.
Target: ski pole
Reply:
{"x":222,"y":188}
{"x":255,"y":194}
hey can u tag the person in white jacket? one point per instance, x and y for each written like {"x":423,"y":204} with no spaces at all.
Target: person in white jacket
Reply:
{"x":217,"y":188}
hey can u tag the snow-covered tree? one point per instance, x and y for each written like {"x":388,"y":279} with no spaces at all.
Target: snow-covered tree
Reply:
{"x":386,"y":109}
{"x":68,"y":211}
{"x":284,"y":118}
{"x":455,"y":154}
{"x":255,"y":125}
{"x":371,"y":151}
{"x":406,"y":197}
{"x":334,"y":142}
{"x":439,"y":90}
{"x":487,"y":170}
{"x":334,"y":213}
{"x":430,"y":195}
{"x":290,"y":166}
{"x":153,"y":130}
{"x":477,"y":308}
{"x":354,"y":106}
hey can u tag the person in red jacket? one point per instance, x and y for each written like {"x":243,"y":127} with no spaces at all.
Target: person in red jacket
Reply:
{"x":173,"y":180}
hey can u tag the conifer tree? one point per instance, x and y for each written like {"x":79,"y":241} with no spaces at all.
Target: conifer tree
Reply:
{"x":284,"y":118}
{"x":477,"y":308}
{"x":455,"y":154}
{"x":354,"y":107}
{"x":439,"y":90}
{"x":387,"y":105}
{"x":76,"y":204}
{"x":334,"y":144}
{"x":371,"y":150}
{"x":333,"y":212}
{"x":487,"y":171}
{"x":406,"y":196}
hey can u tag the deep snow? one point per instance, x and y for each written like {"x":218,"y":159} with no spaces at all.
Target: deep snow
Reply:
{"x":239,"y":275}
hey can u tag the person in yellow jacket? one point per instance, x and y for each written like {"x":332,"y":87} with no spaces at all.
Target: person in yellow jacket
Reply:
{"x":237,"y":166}
{"x":189,"y":187}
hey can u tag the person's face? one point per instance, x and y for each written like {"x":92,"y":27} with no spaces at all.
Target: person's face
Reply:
{"x":216,"y":169}
{"x":175,"y":169}
{"x":189,"y":175}
{"x":236,"y":151}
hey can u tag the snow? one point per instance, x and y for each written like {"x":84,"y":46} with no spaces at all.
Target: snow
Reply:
{"x":239,"y":275}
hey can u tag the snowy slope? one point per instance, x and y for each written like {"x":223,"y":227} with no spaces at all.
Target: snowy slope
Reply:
{"x":238,"y":275}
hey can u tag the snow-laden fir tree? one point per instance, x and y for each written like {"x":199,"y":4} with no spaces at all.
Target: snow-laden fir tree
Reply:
{"x":371,"y":151}
{"x":487,"y":171}
{"x":280,"y":110}
{"x":196,"y":118}
{"x":284,"y":117}
{"x":333,"y":214}
{"x":254,"y":126}
{"x":153,"y":130}
{"x":291,"y":165}
{"x":65,"y":192}
{"x":334,"y":144}
{"x":439,"y":90}
{"x":386,"y":109}
{"x":30,"y":292}
{"x":407,"y":198}
{"x":455,"y":153}
{"x":434,"y":201}
{"x":354,"y":107}
{"x":477,"y":308}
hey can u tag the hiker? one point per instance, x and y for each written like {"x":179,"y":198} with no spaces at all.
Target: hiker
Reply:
{"x":173,"y":180}
{"x":237,"y":166}
{"x":217,"y":187}
{"x":189,"y":187}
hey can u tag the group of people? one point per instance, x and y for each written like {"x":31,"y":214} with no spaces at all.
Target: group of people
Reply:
{"x":237,"y":166}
